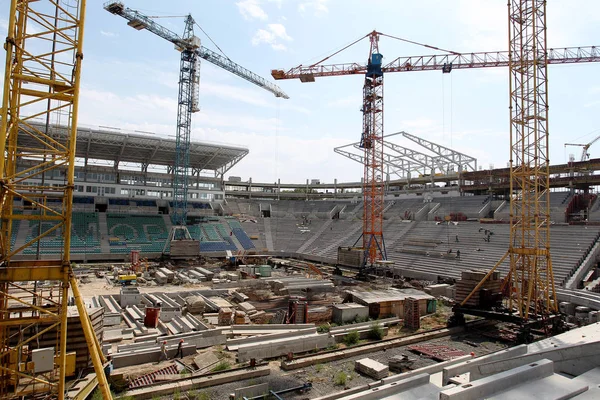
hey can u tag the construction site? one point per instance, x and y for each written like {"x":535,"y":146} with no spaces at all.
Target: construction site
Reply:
{"x":428,"y":277}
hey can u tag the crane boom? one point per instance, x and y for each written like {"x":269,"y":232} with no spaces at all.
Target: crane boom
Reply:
{"x":236,"y":69}
{"x":565,"y":55}
{"x":586,"y":146}
{"x":140,"y":21}
{"x":188,"y":100}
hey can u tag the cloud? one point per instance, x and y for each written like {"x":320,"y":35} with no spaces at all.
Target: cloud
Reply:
{"x":108,"y":34}
{"x":247,"y":95}
{"x":318,"y":7}
{"x":272,"y":36}
{"x":251,"y":9}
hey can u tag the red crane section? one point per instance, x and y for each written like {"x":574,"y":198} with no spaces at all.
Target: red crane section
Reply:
{"x":372,"y":109}
{"x":437,"y":62}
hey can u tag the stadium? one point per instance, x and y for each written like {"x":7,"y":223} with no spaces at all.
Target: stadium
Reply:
{"x":139,"y":265}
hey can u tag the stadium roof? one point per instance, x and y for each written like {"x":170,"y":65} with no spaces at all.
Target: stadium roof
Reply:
{"x":108,"y":144}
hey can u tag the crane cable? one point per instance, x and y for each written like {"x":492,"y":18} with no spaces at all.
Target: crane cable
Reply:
{"x":212,"y":41}
{"x":339,"y":51}
{"x":419,"y":44}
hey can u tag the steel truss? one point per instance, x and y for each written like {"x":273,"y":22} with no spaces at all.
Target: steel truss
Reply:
{"x":42,"y":78}
{"x":372,"y":144}
{"x":403,"y":161}
{"x":530,"y":282}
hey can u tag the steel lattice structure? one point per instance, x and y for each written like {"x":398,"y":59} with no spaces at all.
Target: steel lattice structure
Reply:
{"x":189,"y":78}
{"x":42,"y":78}
{"x":372,"y":144}
{"x":188,"y":103}
{"x":531,"y":281}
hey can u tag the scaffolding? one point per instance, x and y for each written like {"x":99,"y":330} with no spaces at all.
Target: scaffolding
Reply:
{"x":42,"y":78}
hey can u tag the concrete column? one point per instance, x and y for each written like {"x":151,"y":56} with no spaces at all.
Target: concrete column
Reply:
{"x":335,"y":188}
{"x":306,"y":193}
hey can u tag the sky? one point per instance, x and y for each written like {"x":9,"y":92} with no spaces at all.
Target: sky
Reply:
{"x":130,"y":79}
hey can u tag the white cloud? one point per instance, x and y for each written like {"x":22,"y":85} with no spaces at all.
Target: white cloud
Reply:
{"x":251,"y":9}
{"x":272,"y":36}
{"x":318,"y":7}
{"x":108,"y":34}
{"x":249,"y":96}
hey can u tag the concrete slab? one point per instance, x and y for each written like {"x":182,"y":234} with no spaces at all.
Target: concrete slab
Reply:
{"x":251,"y":391}
{"x":554,"y":387}
{"x":483,"y":388}
{"x":467,"y":366}
{"x":592,"y":380}
{"x":206,"y":359}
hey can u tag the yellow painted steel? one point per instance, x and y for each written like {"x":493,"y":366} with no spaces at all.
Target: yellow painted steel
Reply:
{"x":39,"y":32}
{"x":95,"y":352}
{"x":530,"y":282}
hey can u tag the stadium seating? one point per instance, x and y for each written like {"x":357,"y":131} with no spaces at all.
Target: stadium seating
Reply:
{"x":85,"y":235}
{"x":146,"y":233}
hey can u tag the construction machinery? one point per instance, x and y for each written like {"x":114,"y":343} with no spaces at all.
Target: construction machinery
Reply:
{"x":44,"y":53}
{"x":585,"y":155}
{"x":372,"y":138}
{"x":180,"y":243}
{"x":529,"y":286}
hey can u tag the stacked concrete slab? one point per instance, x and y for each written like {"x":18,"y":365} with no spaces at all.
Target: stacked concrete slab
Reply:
{"x":294,"y":343}
{"x":290,"y":285}
{"x":371,"y":368}
{"x":112,"y":310}
{"x":168,"y":273}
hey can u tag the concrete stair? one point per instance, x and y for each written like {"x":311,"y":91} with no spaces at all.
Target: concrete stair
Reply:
{"x":104,"y":234}
{"x":268,"y":234}
{"x":311,"y":240}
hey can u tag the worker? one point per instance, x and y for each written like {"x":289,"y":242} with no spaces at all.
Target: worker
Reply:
{"x":458,"y":254}
{"x":163,"y":352}
{"x":179,"y":349}
{"x":457,"y":238}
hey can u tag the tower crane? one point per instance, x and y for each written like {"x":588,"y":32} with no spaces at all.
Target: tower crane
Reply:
{"x":584,"y":153}
{"x":188,"y":101}
{"x":372,"y":108}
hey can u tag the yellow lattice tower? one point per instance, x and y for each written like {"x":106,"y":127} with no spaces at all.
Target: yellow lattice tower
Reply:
{"x":530,"y":282}
{"x":41,"y":90}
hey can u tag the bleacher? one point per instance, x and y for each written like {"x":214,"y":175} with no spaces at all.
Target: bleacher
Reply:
{"x":85,"y":235}
{"x":146,"y":233}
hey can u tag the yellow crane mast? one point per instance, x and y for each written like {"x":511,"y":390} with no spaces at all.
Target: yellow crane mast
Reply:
{"x":44,"y":53}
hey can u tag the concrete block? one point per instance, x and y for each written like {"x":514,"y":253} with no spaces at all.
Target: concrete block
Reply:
{"x":553,"y":387}
{"x":146,"y":355}
{"x":467,"y":366}
{"x":233,"y":344}
{"x":279,"y":347}
{"x":348,"y":312}
{"x":573,"y":360}
{"x":437,"y":290}
{"x":390,"y":389}
{"x":592,"y":379}
{"x":206,"y":359}
{"x":372,"y":368}
{"x":483,"y":388}
{"x":431,"y":369}
{"x":130,"y":296}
